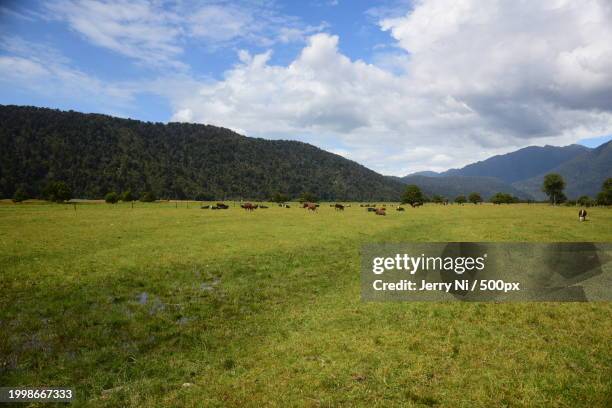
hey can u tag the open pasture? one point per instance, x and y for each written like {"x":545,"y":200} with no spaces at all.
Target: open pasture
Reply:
{"x":164,"y":305}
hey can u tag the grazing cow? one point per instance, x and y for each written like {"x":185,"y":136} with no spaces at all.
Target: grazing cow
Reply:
{"x":339,"y":207}
{"x":381,"y":211}
{"x":582,"y":214}
{"x":311,"y":207}
{"x":222,"y":206}
{"x":248,"y":206}
{"x":399,"y":209}
{"x":417,"y":204}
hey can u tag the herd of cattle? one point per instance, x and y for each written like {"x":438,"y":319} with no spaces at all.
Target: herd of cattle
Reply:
{"x":378,"y":210}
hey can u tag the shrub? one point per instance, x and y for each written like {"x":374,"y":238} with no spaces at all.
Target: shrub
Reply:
{"x":460,"y":199}
{"x":503,"y":198}
{"x":279,"y":198}
{"x":111,"y":197}
{"x":475,"y":198}
{"x":128,"y":196}
{"x":57,"y":191}
{"x":148,"y":197}
{"x":20,"y":195}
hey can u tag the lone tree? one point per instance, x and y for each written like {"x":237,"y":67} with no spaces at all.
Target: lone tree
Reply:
{"x":412,"y":195}
{"x":604,"y":197}
{"x":460,"y":199}
{"x":111,"y":198}
{"x":57,"y":191}
{"x":553,"y":186}
{"x":475,"y":198}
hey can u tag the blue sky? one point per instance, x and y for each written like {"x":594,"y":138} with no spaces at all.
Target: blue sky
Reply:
{"x":32,"y":22}
{"x":399,"y":86}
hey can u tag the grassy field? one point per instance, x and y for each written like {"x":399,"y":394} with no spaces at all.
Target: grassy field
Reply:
{"x":165,"y":306}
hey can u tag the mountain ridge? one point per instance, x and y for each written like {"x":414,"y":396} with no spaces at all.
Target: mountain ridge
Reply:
{"x":95,"y":154}
{"x":523,"y":171}
{"x":584,"y":174}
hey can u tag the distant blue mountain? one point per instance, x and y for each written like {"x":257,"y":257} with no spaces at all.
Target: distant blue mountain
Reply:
{"x":521,"y":164}
{"x":521,"y":172}
{"x":583,"y":174}
{"x":425,"y":173}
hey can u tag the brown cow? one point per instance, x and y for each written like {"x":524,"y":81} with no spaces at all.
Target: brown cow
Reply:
{"x":248,"y":206}
{"x":311,"y":207}
{"x":381,"y":211}
{"x":339,"y":207}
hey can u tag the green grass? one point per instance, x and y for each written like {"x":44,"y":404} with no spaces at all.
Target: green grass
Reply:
{"x":263,"y":309}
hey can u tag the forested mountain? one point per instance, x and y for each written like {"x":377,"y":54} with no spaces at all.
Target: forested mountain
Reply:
{"x":453,"y":186}
{"x":95,"y":154}
{"x":521,"y":164}
{"x":583,"y":175}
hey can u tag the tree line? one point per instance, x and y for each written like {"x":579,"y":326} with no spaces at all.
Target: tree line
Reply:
{"x":553,"y":185}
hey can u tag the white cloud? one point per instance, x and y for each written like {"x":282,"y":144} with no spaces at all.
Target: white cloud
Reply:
{"x":159,"y":33}
{"x":476,"y":79}
{"x":466,"y":79}
{"x":136,"y":29}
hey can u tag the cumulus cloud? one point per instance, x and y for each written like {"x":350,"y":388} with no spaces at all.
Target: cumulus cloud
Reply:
{"x":477,"y":78}
{"x":461,"y":81}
